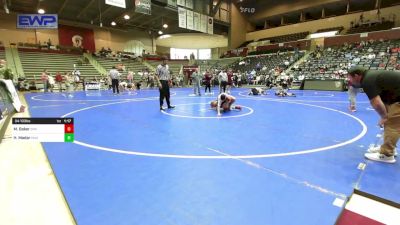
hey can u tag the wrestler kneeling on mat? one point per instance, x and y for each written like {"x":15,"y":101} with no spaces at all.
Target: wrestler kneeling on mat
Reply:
{"x":224,"y":103}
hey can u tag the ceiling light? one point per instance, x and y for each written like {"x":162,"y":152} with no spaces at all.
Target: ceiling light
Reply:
{"x":165,"y":25}
{"x":6,"y":8}
{"x":160,"y":32}
{"x":113,"y":23}
{"x":127,"y":17}
{"x":41,"y":11}
{"x":164,"y":36}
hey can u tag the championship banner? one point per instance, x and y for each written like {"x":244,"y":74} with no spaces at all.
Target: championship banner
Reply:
{"x":143,"y":6}
{"x":189,"y":19}
{"x":77,"y":37}
{"x":117,"y":3}
{"x":180,"y":2}
{"x":196,"y":21}
{"x":210,"y":25}
{"x":182,"y":17}
{"x":172,"y":3}
{"x":203,"y":23}
{"x":189,"y":4}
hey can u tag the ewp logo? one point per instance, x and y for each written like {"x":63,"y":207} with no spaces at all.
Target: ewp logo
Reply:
{"x":37,"y":21}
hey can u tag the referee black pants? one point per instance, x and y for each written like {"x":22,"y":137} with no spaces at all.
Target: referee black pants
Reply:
{"x":164,"y":93}
{"x":223,"y":86}
{"x":115,"y":85}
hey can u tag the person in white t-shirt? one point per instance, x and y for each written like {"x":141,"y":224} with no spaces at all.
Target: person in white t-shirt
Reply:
{"x":52,"y":82}
{"x":77,"y":78}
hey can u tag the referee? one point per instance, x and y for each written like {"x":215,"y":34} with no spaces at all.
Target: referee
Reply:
{"x":114,"y":75}
{"x":164,"y":79}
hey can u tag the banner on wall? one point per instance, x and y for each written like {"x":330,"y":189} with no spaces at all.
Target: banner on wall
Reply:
{"x":172,"y":3}
{"x":189,"y":4}
{"x":180,"y":2}
{"x":196,"y":21}
{"x":210,"y":25}
{"x":203,"y":23}
{"x":182,"y":17}
{"x":143,"y":6}
{"x":189,"y":19}
{"x":37,"y":21}
{"x":117,"y":3}
{"x":76,"y":37}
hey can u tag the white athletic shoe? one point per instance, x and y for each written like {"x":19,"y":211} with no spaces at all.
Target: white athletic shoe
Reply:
{"x":380,"y":157}
{"x":377,"y":150}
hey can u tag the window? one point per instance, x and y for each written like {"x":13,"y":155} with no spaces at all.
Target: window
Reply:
{"x":179,"y":53}
{"x":204,"y":54}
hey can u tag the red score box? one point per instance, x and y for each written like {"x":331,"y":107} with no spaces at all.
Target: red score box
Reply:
{"x":68,"y":128}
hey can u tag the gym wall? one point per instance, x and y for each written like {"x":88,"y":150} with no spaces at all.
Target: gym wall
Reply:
{"x":103,"y":37}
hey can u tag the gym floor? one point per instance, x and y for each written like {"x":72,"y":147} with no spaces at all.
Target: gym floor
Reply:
{"x":276,"y":161}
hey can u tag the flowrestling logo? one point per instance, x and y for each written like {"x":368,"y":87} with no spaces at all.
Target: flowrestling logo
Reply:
{"x":37,"y":21}
{"x":247,"y":10}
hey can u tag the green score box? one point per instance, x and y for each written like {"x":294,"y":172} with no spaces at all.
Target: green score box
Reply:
{"x":68,"y":137}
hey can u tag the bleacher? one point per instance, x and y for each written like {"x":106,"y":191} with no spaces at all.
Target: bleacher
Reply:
{"x":371,"y":26}
{"x":44,"y":47}
{"x":109,"y":63}
{"x":270,"y":61}
{"x":2,"y":54}
{"x":34,"y":63}
{"x":129,"y":65}
{"x":287,"y":37}
{"x":174,"y":65}
{"x":339,"y":29}
{"x":327,"y":63}
{"x":135,"y":66}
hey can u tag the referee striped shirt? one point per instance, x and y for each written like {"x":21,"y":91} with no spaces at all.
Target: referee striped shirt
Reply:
{"x":114,"y":74}
{"x":163,"y":72}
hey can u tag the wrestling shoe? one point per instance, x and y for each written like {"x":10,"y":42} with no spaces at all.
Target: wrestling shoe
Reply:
{"x":352,"y":108}
{"x":377,"y":149}
{"x":380,"y":157}
{"x":238,"y":107}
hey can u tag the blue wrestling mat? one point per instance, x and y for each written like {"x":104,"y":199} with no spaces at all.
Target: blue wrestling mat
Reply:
{"x":291,"y":160}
